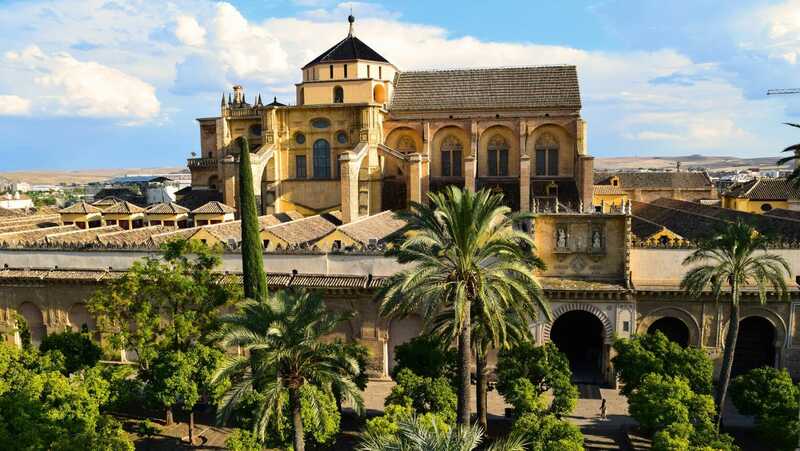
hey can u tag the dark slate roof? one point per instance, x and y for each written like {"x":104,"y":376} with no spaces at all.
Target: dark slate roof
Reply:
{"x":348,"y":49}
{"x":698,"y":213}
{"x":784,"y":214}
{"x":655,"y":180}
{"x":499,"y":88}
{"x":644,"y":229}
{"x":765,"y":189}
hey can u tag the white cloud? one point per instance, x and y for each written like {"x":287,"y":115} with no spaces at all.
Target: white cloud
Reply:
{"x":189,"y":32}
{"x":773,"y":30}
{"x":14,"y":106}
{"x":63,"y":85}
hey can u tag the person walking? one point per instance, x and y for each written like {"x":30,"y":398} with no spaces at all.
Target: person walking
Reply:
{"x":603,"y":409}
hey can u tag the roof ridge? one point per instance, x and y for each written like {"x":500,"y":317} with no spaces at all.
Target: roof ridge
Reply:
{"x":462,"y":69}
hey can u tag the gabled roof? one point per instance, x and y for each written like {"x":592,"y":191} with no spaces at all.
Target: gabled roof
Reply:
{"x":135,"y":237}
{"x":348,"y":49}
{"x":765,"y":189}
{"x":500,"y":88}
{"x":655,"y":180}
{"x":77,"y":237}
{"x":644,"y":229}
{"x":304,"y":231}
{"x":80,"y":208}
{"x":214,"y":207}
{"x":106,"y":201}
{"x":376,"y":227}
{"x":123,"y":207}
{"x":166,"y":208}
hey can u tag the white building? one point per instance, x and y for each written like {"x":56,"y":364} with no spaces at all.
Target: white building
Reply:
{"x":16,"y":201}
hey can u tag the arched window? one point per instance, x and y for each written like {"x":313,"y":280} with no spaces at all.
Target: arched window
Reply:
{"x":547,"y":155}
{"x":322,"y":159}
{"x":451,"y":157}
{"x":406,"y":144}
{"x":338,"y":94}
{"x":498,"y":156}
{"x":379,"y":94}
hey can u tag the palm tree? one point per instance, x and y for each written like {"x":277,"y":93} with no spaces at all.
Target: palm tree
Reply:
{"x":736,"y":255}
{"x":461,"y":250}
{"x":282,"y":337}
{"x":795,"y":156}
{"x":415,"y":435}
{"x":516,"y":331}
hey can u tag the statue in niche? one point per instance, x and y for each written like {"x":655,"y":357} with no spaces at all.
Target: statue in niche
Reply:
{"x":596,"y":241}
{"x":561,"y":236}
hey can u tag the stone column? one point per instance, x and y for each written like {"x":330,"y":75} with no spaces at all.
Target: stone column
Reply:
{"x":586,"y":180}
{"x":415,"y":177}
{"x":348,"y":171}
{"x":469,"y":173}
{"x":229,"y":171}
{"x":525,"y":183}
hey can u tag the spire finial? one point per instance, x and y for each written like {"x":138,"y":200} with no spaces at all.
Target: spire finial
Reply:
{"x":351,"y":20}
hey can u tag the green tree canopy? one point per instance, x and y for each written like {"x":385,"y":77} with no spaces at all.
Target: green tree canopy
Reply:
{"x":545,"y":367}
{"x":655,"y":353}
{"x":78,"y":349}
{"x":771,"y":397}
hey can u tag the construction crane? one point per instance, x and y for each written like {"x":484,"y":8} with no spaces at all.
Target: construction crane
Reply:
{"x":775,"y":92}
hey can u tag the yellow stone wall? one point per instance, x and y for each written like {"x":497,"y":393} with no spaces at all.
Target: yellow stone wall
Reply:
{"x":611,"y":200}
{"x":752,"y":206}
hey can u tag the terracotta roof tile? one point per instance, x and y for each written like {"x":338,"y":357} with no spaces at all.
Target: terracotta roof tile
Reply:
{"x":376,"y":227}
{"x":303,"y":231}
{"x":80,"y":208}
{"x":784,"y":214}
{"x":764,"y":189}
{"x":135,"y":237}
{"x":214,"y":207}
{"x":166,"y":208}
{"x":655,"y":180}
{"x":123,"y":207}
{"x":499,"y":88}
{"x":608,"y":190}
{"x":79,"y":237}
{"x":32,"y":237}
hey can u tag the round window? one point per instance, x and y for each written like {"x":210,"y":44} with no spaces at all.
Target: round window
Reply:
{"x":300,"y":138}
{"x":766,"y":207}
{"x":341,"y":137}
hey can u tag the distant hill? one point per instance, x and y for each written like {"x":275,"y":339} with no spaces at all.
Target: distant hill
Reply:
{"x":56,"y":177}
{"x":712,"y":163}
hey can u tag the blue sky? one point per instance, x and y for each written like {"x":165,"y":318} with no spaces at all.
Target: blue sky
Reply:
{"x":118,"y":83}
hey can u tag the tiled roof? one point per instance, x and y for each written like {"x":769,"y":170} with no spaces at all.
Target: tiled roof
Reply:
{"x":683,"y":223}
{"x":166,"y":208}
{"x":27,"y":226}
{"x":78,"y":237}
{"x":224,"y":231}
{"x":80,"y":208}
{"x":303,"y":231}
{"x":608,"y":190}
{"x":655,"y":180}
{"x":765,"y":189}
{"x":699,"y":213}
{"x":500,"y":88}
{"x":784,"y":214}
{"x":135,"y":237}
{"x":123,"y":207}
{"x":348,"y":49}
{"x":644,"y":229}
{"x":375,"y":227}
{"x":192,"y":199}
{"x":8,"y":213}
{"x":214,"y":207}
{"x":34,"y":219}
{"x":106,"y":201}
{"x":32,"y":237}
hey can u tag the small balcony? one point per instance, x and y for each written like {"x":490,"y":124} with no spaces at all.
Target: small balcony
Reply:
{"x":202,"y":163}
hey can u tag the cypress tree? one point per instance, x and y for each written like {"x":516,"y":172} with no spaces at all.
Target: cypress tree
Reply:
{"x":255,"y":280}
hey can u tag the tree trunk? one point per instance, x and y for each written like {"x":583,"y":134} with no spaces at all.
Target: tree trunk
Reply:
{"x":297,"y":421}
{"x":168,"y":420}
{"x":727,"y":357}
{"x":191,"y":427}
{"x":481,"y":389}
{"x":465,"y":357}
